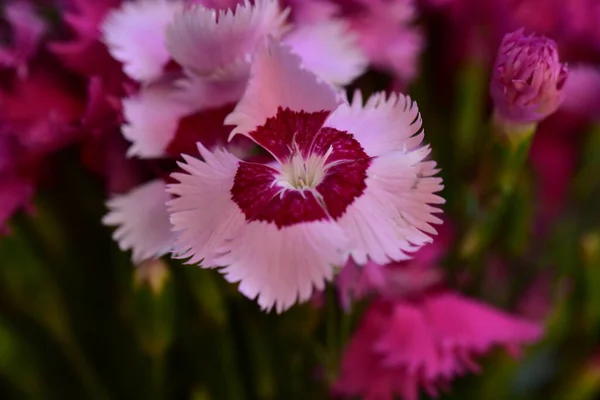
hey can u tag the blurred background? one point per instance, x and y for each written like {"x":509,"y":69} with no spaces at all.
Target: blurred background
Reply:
{"x":79,"y":321}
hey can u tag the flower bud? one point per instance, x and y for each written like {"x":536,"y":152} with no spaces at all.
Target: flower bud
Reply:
{"x":528,"y":79}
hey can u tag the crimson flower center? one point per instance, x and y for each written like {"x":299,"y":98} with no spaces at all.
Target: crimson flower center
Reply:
{"x":320,"y":171}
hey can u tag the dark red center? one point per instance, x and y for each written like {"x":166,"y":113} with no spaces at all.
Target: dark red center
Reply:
{"x":293,"y":134}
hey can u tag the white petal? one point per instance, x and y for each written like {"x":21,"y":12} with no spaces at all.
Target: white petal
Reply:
{"x":393,"y":217}
{"x":278,"y":80}
{"x":382,"y":125}
{"x":328,"y":49}
{"x":142,"y":221}
{"x":283,"y":266}
{"x":202,"y":211}
{"x":152,"y":117}
{"x":220,"y":44}
{"x":135,"y":35}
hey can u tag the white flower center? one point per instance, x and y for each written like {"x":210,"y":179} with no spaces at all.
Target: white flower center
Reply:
{"x":302,"y":174}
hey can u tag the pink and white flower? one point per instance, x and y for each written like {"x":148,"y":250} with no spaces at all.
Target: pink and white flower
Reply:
{"x":348,"y":179}
{"x":214,"y":49}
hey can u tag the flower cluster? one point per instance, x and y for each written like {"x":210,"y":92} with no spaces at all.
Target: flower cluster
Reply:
{"x":267,"y":140}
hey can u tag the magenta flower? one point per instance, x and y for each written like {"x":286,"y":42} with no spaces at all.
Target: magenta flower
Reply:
{"x":83,"y":52}
{"x":347,"y":180}
{"x":528,"y":78}
{"x":404,"y":345}
{"x":416,"y":333}
{"x":387,"y":33}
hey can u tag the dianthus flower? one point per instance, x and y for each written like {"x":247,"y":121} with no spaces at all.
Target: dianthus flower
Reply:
{"x":193,"y":63}
{"x":347,"y":180}
{"x":416,"y":333}
{"x":528,"y":79}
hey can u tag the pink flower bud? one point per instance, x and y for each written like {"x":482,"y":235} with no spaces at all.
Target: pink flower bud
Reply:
{"x":528,"y":78}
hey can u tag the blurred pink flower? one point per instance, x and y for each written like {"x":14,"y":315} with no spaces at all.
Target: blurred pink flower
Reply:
{"x":213,"y":51}
{"x":416,"y":333}
{"x":44,"y":110}
{"x":38,"y":115}
{"x":310,"y":11}
{"x":404,"y":345}
{"x":528,"y":78}
{"x":384,"y":29}
{"x":27,"y":32}
{"x":573,"y":24}
{"x":217,"y":4}
{"x":83,"y":52}
{"x":278,"y":228}
{"x":386,"y":32}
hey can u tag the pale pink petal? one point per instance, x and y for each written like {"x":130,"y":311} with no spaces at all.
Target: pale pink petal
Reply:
{"x":277,"y":79}
{"x":393,"y":217}
{"x":220,"y":44}
{"x":329,"y":50}
{"x":151,"y":118}
{"x":283,"y":266}
{"x":201,"y":93}
{"x":142,"y":221}
{"x":135,"y":35}
{"x":202,"y":211}
{"x":382,"y":125}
